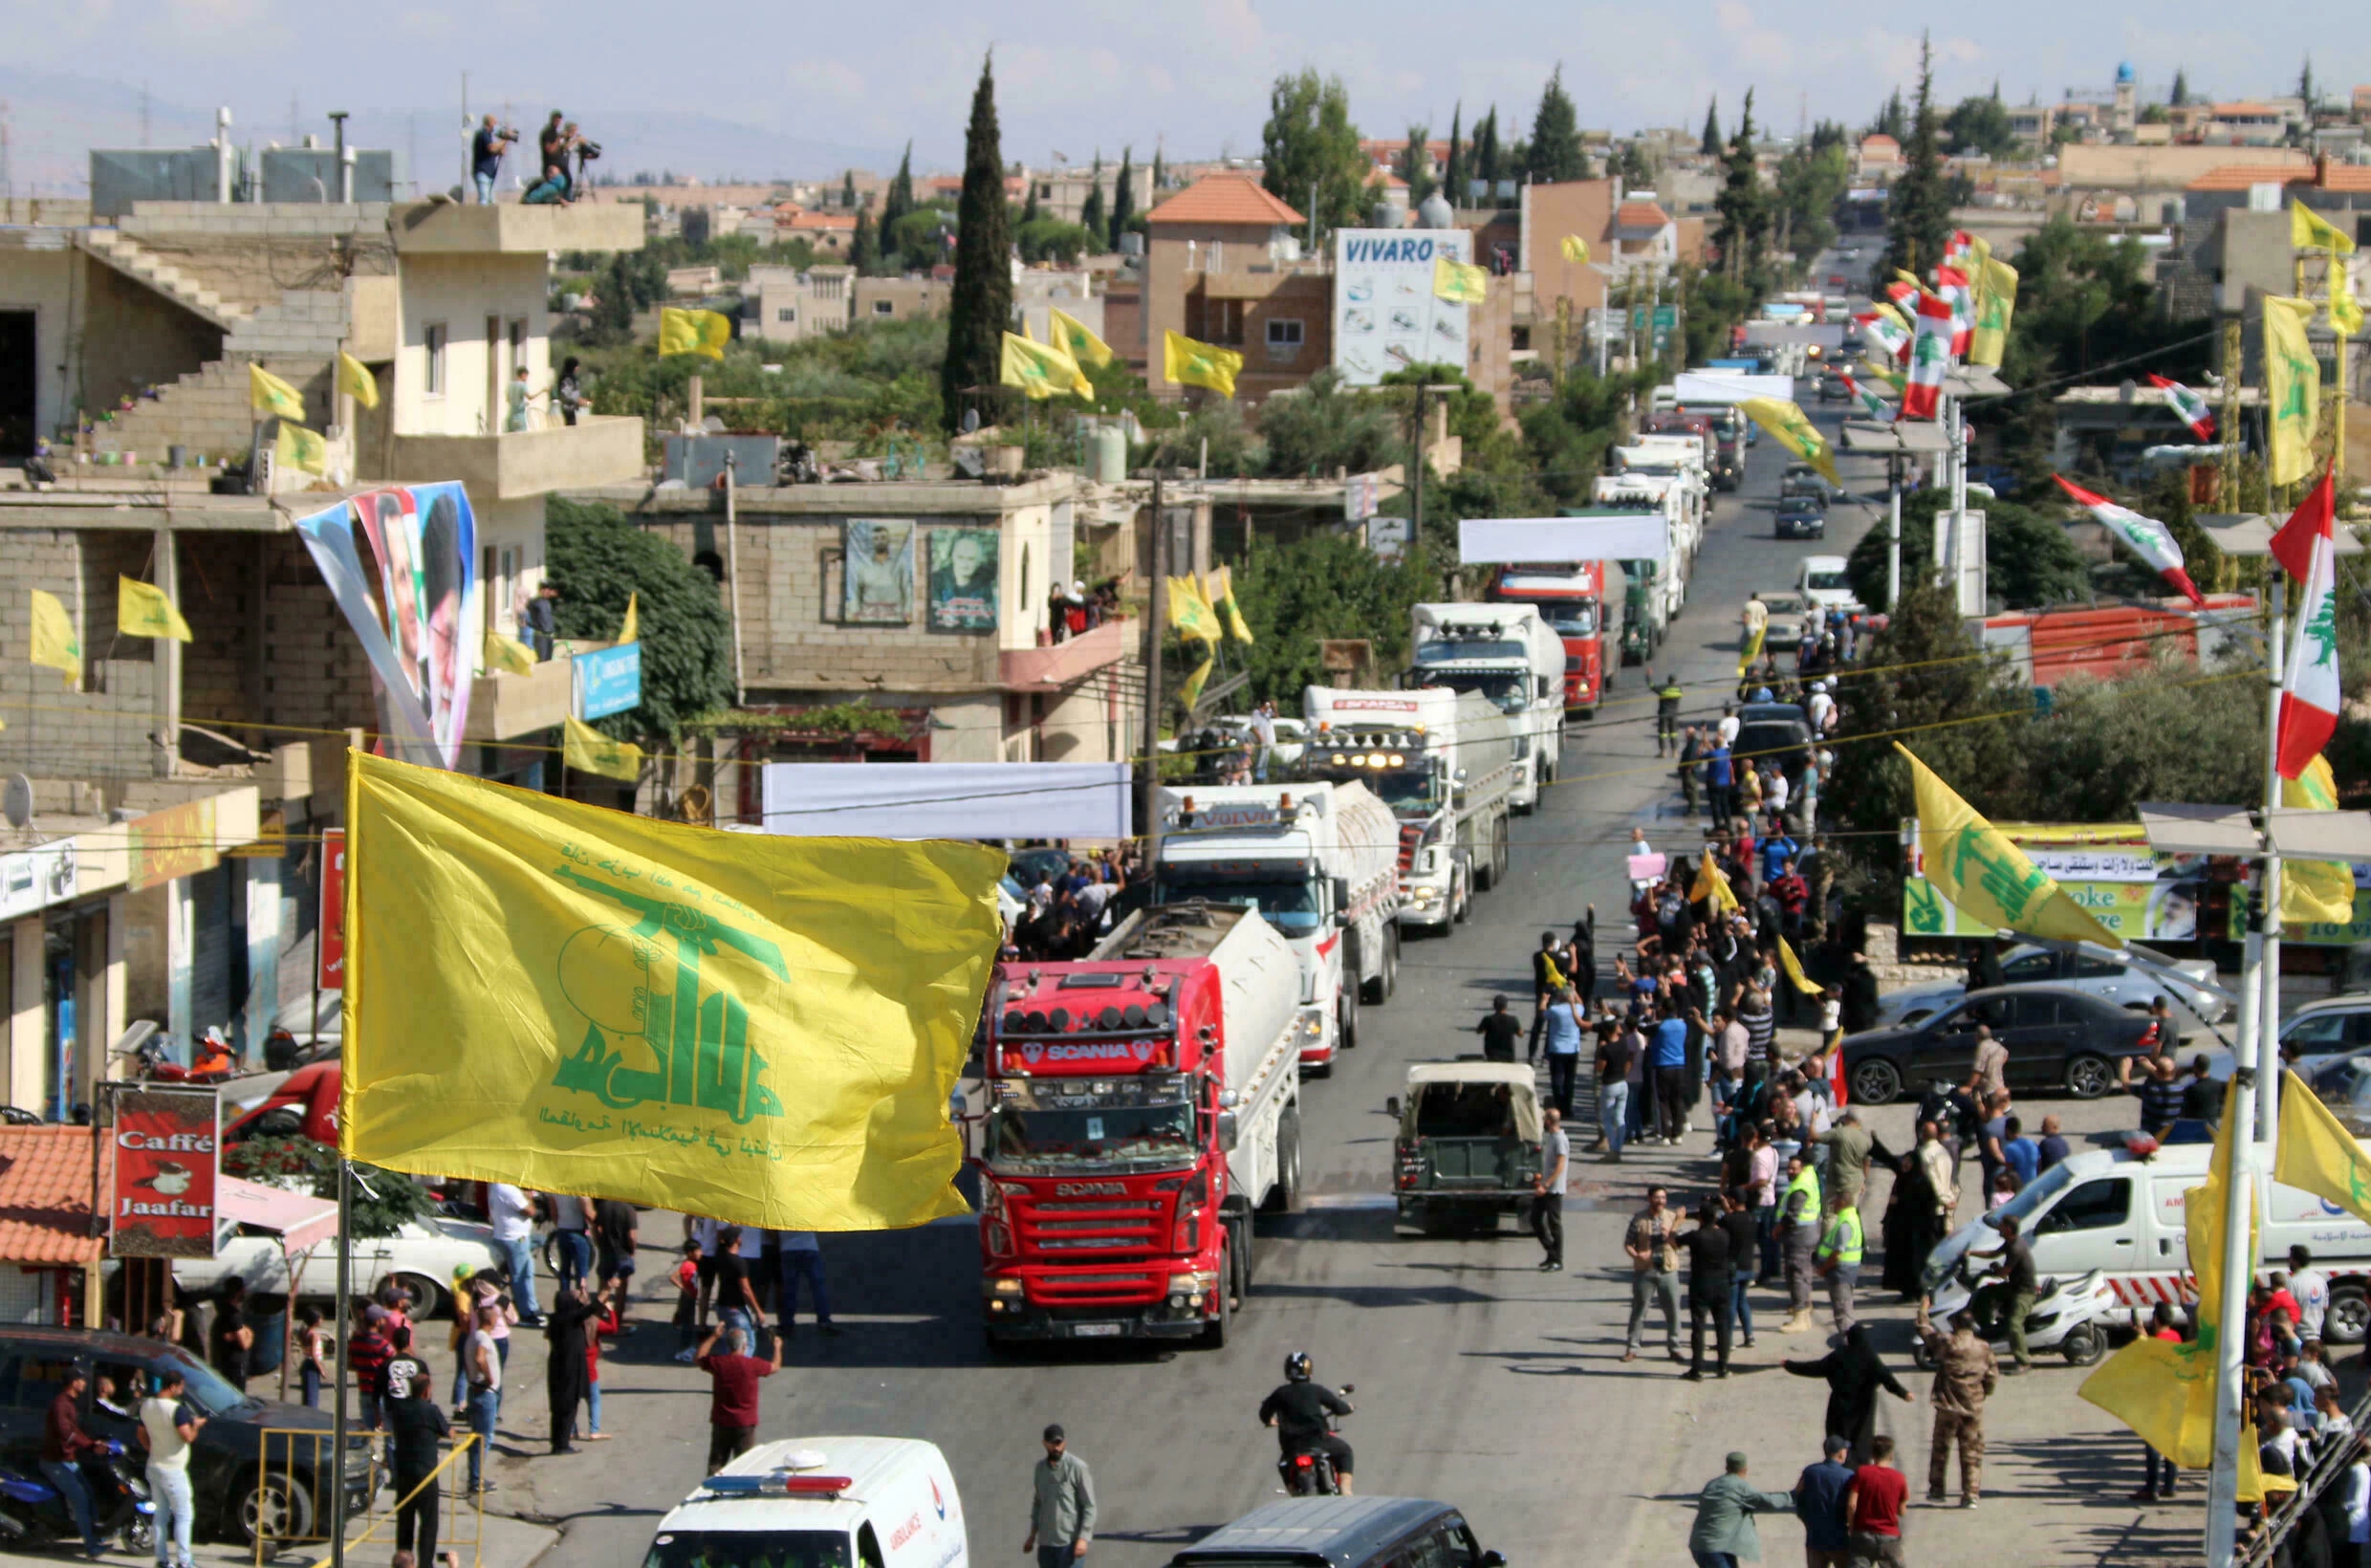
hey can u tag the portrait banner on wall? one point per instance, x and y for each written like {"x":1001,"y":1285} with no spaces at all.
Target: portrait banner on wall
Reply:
{"x":876,"y":583}
{"x":963,"y":579}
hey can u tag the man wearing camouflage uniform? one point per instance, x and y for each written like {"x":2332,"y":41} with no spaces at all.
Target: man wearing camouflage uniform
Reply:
{"x":1964,"y":1373}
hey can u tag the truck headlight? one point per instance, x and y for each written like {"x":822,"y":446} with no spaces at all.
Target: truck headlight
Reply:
{"x":1006,"y":1288}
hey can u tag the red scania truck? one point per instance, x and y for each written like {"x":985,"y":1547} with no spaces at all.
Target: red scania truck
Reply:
{"x":1142,"y":1101}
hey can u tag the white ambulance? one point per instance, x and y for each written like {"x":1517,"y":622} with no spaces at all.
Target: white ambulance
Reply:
{"x":820,"y":1502}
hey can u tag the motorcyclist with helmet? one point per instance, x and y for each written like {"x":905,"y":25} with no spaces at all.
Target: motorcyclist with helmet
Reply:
{"x":1301,"y":1409}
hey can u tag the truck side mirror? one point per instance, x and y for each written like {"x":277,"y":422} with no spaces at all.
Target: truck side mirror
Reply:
{"x":1342,"y":894}
{"x":1227,"y":1132}
{"x":1391,"y":1107}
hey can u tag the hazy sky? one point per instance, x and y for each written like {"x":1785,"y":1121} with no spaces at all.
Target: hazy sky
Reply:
{"x":1193,"y":71}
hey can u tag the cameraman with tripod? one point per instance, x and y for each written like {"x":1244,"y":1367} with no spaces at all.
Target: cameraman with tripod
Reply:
{"x":486,"y":149}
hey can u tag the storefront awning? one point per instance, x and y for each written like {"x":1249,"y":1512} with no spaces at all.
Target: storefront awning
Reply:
{"x":299,"y":1219}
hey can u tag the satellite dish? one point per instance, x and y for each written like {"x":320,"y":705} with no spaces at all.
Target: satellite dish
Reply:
{"x":17,"y":801}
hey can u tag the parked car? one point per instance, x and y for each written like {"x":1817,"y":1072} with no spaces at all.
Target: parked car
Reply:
{"x":235,"y":1497}
{"x":1800,"y":517}
{"x":422,"y":1257}
{"x":2058,"y":1038}
{"x":1364,"y":1531}
{"x":1779,"y":729}
{"x":2122,"y":984}
{"x":2331,"y":1039}
{"x":1826,"y":582}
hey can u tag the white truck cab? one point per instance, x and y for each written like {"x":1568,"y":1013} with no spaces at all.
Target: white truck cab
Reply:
{"x":820,"y":1502}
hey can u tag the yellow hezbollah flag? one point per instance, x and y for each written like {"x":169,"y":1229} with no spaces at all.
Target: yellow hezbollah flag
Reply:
{"x":142,"y":610}
{"x":54,"y":640}
{"x":2291,"y":386}
{"x":1575,"y":249}
{"x":1711,"y":883}
{"x":1458,"y":282}
{"x":1793,"y":967}
{"x":761,"y":1029}
{"x":297,"y":447}
{"x":267,"y":393}
{"x":1072,"y":335}
{"x":1996,"y":305}
{"x":1190,"y":614}
{"x":1785,"y":421}
{"x":630,"y":629}
{"x":1190,"y":690}
{"x":354,"y":377}
{"x":1041,"y":370}
{"x":1753,"y":647}
{"x":2315,"y":892}
{"x":2310,"y":230}
{"x":2318,"y":1154}
{"x":1985,"y":875}
{"x":507,"y":653}
{"x":2202,"y":1224}
{"x":1189,"y":363}
{"x":1222,"y":598}
{"x":2345,"y":315}
{"x":693,"y":332}
{"x":587,"y":750}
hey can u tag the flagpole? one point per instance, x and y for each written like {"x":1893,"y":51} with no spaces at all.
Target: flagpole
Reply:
{"x":2268,"y":1088}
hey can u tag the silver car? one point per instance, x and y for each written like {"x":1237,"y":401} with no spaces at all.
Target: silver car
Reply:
{"x":2120,"y":983}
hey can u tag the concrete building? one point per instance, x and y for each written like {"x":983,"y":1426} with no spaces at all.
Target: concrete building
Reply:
{"x":1223,"y":267}
{"x":1062,"y":191}
{"x":785,"y":304}
{"x":908,"y":298}
{"x":187,"y":783}
{"x":1040,"y":291}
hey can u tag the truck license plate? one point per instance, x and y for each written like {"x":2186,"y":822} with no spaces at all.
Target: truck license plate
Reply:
{"x":1095,"y":1330}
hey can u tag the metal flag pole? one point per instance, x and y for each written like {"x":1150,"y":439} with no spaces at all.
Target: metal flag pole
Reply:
{"x":345,"y":1295}
{"x":2268,"y":1015}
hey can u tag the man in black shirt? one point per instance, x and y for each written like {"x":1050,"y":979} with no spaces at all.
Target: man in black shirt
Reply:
{"x":1745,"y":1259}
{"x":403,"y":1368}
{"x":733,"y":1291}
{"x":417,"y":1427}
{"x":1499,"y":1030}
{"x":1298,"y":1410}
{"x":1612,"y":1070}
{"x":2202,"y":1097}
{"x":486,"y":151}
{"x":1708,"y":1287}
{"x":614,"y":1239}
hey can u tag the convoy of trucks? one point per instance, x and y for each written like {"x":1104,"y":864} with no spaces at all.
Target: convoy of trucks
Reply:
{"x":1507,"y":653}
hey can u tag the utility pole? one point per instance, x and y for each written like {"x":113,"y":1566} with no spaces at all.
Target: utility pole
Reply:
{"x":1893,"y":533}
{"x":2233,"y":437}
{"x":1416,"y":516}
{"x":1156,"y":603}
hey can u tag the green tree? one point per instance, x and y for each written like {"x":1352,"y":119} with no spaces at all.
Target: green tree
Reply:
{"x":2180,"y":97}
{"x":1310,"y":153}
{"x":1326,"y":585}
{"x":1826,"y":134}
{"x":980,"y":307}
{"x":599,"y":559}
{"x":382,"y":1201}
{"x":900,"y":197}
{"x":1918,"y":210}
{"x":1123,"y":196}
{"x":1453,"y":173}
{"x":2305,"y":81}
{"x":1486,"y":156}
{"x":1161,"y":180}
{"x":1418,"y":165}
{"x":1048,"y":238}
{"x":1891,"y":119}
{"x":2029,"y":560}
{"x":1980,"y":125}
{"x":1029,"y":205}
{"x":848,"y":191}
{"x":1554,"y":152}
{"x":1091,"y":210}
{"x":1323,"y":426}
{"x":1743,"y":205}
{"x":1812,"y":179}
{"x":1631,"y":164}
{"x":1710,"y":145}
{"x":864,"y":245}
{"x":2103,"y":750}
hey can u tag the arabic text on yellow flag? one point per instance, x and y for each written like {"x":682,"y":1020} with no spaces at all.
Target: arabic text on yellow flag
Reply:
{"x":1786,"y":422}
{"x":354,"y":377}
{"x":1793,"y":967}
{"x":2315,"y":892}
{"x":1190,"y":364}
{"x":267,"y":393}
{"x":630,"y":629}
{"x":1711,"y":883}
{"x":1575,"y":249}
{"x":1191,"y":615}
{"x":1041,"y":370}
{"x":2164,"y":1390}
{"x":2310,"y":230}
{"x":1988,"y":878}
{"x":1752,"y":649}
{"x":588,"y":751}
{"x":1072,"y":334}
{"x":2318,"y":1154}
{"x":761,"y":1029}
{"x":693,"y":332}
{"x":142,"y":610}
{"x":1997,"y":306}
{"x":297,"y":447}
{"x":1222,"y":597}
{"x":54,"y":641}
{"x":2291,"y":386}
{"x":1460,"y":283}
{"x":509,"y":653}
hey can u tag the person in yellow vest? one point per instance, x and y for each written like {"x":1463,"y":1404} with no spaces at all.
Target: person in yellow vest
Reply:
{"x":1837,"y":1261}
{"x":1798,"y":1237}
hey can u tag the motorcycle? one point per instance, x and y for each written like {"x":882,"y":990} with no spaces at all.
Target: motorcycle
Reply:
{"x":2071,"y":1317}
{"x":216,"y":1061}
{"x":1310,"y":1475}
{"x":32,"y":1513}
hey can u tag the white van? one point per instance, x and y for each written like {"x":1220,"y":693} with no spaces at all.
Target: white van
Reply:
{"x":820,"y":1502}
{"x":2120,"y":1213}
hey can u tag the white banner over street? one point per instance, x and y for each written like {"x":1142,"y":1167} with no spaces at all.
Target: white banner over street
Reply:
{"x":947,"y":800}
{"x":1727,"y":386}
{"x":1614,"y":537}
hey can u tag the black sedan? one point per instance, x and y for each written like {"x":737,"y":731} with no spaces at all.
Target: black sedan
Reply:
{"x":2057,"y":1038}
{"x":1800,"y":517}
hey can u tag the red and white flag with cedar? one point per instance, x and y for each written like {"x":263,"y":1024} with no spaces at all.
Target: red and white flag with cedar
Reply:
{"x":2187,"y":407}
{"x":1952,"y":284}
{"x":2307,"y":545}
{"x":2145,"y":536}
{"x":1930,"y":356}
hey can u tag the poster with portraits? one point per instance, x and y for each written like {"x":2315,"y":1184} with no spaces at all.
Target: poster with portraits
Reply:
{"x":963,"y":579}
{"x":876,"y":587}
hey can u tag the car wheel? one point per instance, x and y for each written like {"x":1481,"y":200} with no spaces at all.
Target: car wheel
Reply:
{"x":2349,"y":1315}
{"x":1876,"y":1081}
{"x":429,"y":1299}
{"x":2089,"y":1076}
{"x":275,"y":1507}
{"x":2083,"y":1345}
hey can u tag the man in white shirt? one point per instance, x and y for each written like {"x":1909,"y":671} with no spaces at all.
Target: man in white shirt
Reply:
{"x":1728,"y":725}
{"x":1264,"y":734}
{"x":2311,"y":1289}
{"x":1822,"y":707}
{"x":167,"y":1426}
{"x":512,"y":1213}
{"x":1547,"y":1189}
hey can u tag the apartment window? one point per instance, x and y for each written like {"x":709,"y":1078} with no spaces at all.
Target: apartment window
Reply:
{"x":433,"y":337}
{"x":1284,"y":333}
{"x":1217,"y":262}
{"x":1214,"y":320}
{"x":884,"y":306}
{"x":785,"y":313}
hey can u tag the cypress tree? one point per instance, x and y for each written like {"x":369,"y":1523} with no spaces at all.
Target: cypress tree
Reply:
{"x":1555,"y":153}
{"x":2180,"y":97}
{"x":848,"y":191}
{"x":1161,"y":178}
{"x":900,"y":197}
{"x":1710,"y":146}
{"x":1453,"y":173}
{"x":865,"y":245}
{"x":1485,"y":153}
{"x":980,"y":308}
{"x":1123,"y":198}
{"x":1918,"y":208}
{"x":1091,"y":210}
{"x":1420,"y":179}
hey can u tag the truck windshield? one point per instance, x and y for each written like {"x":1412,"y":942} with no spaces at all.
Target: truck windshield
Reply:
{"x":1403,"y":790}
{"x":1071,"y":1138}
{"x":1289,"y":904}
{"x":1509,"y":690}
{"x":1565,"y":617}
{"x":1473,"y":649}
{"x":750,"y":1549}
{"x":1828,"y":583}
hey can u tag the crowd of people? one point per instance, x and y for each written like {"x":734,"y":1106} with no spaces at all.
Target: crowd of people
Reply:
{"x":1068,"y":908}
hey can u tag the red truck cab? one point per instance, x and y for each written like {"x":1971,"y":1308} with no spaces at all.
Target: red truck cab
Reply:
{"x":1570,"y":598}
{"x":304,"y":1104}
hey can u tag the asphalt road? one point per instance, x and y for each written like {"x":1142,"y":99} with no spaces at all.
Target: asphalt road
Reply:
{"x":1480,"y":1381}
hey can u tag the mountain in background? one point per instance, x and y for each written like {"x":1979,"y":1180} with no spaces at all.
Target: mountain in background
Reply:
{"x":54,"y":120}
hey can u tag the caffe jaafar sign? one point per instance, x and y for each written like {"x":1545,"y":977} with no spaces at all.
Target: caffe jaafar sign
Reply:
{"x":168,"y":1148}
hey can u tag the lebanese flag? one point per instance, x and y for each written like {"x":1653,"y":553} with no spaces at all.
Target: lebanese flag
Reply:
{"x":1870,"y":402}
{"x":2189,"y":405}
{"x":2145,"y":536}
{"x":1952,"y":285}
{"x":1960,"y":244}
{"x":1902,"y":290}
{"x":1888,"y":334}
{"x":1930,"y":356}
{"x":2309,"y":689}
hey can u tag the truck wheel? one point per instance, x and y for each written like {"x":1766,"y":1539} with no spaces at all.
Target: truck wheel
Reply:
{"x":1506,"y":851}
{"x":1391,"y":961}
{"x":1346,"y":1021}
{"x":1459,"y":907}
{"x":1239,"y":1242}
{"x":2350,"y":1314}
{"x":1484,"y":865}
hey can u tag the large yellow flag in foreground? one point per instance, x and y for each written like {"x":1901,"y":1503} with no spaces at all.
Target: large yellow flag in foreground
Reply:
{"x":764,"y":1030}
{"x":1986,"y":877}
{"x":2315,"y":892}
